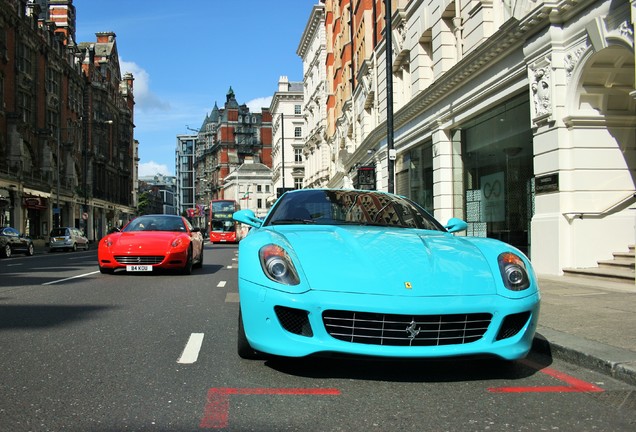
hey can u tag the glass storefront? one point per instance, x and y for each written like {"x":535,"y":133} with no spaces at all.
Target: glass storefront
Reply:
{"x":416,"y":178}
{"x":497,"y":154}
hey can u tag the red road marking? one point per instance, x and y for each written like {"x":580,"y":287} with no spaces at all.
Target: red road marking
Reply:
{"x":575,"y":385}
{"x":217,"y":408}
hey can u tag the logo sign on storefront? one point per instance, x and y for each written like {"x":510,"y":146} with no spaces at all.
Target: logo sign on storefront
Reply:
{"x":493,"y":194}
{"x":36,"y":203}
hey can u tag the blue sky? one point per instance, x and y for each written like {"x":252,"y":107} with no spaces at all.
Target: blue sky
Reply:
{"x":185,"y":56}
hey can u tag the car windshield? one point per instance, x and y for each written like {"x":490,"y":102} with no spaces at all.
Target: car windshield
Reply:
{"x":155,"y":223}
{"x":350,"y":207}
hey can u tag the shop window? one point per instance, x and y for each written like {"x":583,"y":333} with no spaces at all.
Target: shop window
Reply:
{"x":497,"y":153}
{"x":420,"y":178}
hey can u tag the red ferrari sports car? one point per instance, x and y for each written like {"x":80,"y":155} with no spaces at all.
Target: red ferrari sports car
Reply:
{"x":152,"y":242}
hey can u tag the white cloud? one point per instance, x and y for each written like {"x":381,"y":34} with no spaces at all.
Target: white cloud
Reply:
{"x":255,"y":105}
{"x":145,"y":100}
{"x":152,"y":168}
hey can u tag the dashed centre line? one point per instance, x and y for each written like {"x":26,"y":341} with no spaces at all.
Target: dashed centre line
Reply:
{"x":190,"y":353}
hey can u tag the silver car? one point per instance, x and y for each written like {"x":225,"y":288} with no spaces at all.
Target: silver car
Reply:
{"x":67,"y":238}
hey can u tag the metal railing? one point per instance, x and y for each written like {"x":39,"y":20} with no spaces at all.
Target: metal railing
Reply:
{"x":620,"y":205}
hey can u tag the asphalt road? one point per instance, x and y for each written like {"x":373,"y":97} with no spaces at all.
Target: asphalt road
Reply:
{"x":82,"y":351}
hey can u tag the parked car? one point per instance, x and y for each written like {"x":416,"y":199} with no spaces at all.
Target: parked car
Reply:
{"x":152,"y":242}
{"x":11,"y":241}
{"x":373,"y":274}
{"x":67,"y":238}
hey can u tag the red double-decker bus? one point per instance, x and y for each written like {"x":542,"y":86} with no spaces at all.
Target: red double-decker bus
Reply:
{"x":222,"y":228}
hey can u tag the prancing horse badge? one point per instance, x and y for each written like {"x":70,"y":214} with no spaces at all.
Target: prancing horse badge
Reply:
{"x":408,"y":285}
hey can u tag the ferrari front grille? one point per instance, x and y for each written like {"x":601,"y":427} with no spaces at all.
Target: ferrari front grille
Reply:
{"x":405,"y":330}
{"x":138,"y":259}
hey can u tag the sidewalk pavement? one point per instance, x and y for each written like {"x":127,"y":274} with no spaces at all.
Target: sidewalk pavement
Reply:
{"x":585,"y":321}
{"x":589,"y":322}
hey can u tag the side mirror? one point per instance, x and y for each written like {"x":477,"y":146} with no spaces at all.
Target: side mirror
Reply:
{"x":456,"y":225}
{"x":247,"y":217}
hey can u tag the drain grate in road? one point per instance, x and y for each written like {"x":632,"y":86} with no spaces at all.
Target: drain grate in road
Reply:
{"x":622,"y":400}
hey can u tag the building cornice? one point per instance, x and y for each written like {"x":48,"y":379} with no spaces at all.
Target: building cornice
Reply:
{"x":316,"y":18}
{"x":510,"y":36}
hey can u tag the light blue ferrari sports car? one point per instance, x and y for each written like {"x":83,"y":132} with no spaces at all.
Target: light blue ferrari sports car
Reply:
{"x":373,"y":274}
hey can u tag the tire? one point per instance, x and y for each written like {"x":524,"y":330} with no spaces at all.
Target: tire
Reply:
{"x":30,"y":250}
{"x":74,"y":248}
{"x":6,"y":251}
{"x":105,"y":270}
{"x":243,"y":347}
{"x":187,"y":269}
{"x":199,"y":263}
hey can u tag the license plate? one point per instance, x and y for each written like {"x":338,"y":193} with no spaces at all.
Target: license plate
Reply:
{"x":138,"y":268}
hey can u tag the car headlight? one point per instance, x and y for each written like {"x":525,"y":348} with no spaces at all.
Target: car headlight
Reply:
{"x":277,"y":265}
{"x":108,"y":242}
{"x":176,"y":242}
{"x":513,"y":272}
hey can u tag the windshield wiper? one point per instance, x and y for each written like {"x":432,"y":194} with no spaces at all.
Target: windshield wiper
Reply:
{"x":292,"y":222}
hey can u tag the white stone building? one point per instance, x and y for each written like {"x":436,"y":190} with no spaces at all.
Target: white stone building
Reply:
{"x":518,"y":117}
{"x":250,"y":185}
{"x":287,"y":135}
{"x":319,"y":165}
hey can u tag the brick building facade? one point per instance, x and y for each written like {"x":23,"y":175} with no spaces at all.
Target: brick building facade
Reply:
{"x":67,"y":152}
{"x":229,"y":136}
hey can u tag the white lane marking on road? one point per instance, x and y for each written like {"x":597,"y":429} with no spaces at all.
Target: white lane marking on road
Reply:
{"x":191,"y":351}
{"x":232,"y":297}
{"x":228,"y":267}
{"x":221,"y":284}
{"x":69,"y":278}
{"x":14,"y":265}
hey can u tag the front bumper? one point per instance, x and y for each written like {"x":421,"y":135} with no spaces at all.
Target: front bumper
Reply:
{"x":266,"y":333}
{"x":172,"y":260}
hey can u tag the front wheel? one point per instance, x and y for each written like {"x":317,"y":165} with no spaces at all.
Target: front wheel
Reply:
{"x":30,"y":250}
{"x":199,"y":263}
{"x":6,"y":251}
{"x":105,"y":270}
{"x":187,"y":269}
{"x":243,"y":347}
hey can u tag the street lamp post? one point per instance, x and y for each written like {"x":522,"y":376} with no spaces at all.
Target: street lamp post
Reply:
{"x":389,"y":99}
{"x":282,"y":147}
